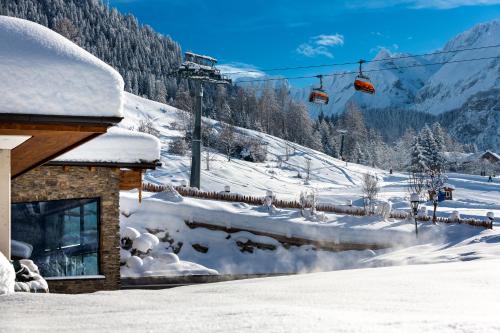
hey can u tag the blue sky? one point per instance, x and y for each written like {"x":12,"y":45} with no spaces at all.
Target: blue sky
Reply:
{"x":280,"y":33}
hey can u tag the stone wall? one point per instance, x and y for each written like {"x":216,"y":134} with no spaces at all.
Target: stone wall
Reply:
{"x":56,"y":183}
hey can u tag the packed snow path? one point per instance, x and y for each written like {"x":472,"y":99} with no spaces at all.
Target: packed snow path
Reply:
{"x":457,"y":297}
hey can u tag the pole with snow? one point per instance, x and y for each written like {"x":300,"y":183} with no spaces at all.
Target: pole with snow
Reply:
{"x":415,"y":201}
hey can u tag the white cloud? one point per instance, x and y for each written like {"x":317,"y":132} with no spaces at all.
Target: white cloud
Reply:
{"x":329,"y":40}
{"x":320,"y":45}
{"x":313,"y":51}
{"x":238,"y":70}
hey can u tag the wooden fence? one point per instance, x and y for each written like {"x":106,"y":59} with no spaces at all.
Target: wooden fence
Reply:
{"x":293,"y":204}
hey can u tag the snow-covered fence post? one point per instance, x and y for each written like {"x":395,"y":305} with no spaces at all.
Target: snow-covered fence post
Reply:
{"x":490,"y":217}
{"x":308,"y":170}
{"x":268,"y":201}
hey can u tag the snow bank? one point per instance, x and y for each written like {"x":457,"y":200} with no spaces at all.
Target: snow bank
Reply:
{"x":118,"y":145}
{"x":7,"y":276}
{"x":44,"y":73}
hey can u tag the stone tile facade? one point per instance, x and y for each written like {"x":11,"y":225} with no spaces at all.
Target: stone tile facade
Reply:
{"x":56,"y":183}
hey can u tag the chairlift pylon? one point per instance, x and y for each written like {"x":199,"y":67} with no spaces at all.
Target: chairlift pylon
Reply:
{"x":362,"y":82}
{"x":319,"y":95}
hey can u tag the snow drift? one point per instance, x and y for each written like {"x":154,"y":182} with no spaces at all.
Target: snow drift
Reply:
{"x":7,"y":276}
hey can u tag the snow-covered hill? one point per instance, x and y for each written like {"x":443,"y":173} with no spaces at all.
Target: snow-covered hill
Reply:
{"x":334,"y":181}
{"x":328,"y":175}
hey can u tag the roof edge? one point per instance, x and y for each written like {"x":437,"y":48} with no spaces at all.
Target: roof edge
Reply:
{"x":139,"y":165}
{"x":59,"y":119}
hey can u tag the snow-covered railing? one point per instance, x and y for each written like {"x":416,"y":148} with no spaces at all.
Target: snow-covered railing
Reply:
{"x":292,"y":204}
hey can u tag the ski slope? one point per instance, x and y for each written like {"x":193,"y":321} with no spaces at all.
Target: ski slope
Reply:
{"x":335,"y":181}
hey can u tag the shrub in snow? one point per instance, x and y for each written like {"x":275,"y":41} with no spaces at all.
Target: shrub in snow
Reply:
{"x":383,"y":209}
{"x":128,"y":235}
{"x":308,"y":201}
{"x":370,"y":188}
{"x":178,"y":146}
{"x":147,"y":262}
{"x":170,"y":258}
{"x":7,"y":276}
{"x":28,"y":277}
{"x":268,"y":202}
{"x":422,"y":212}
{"x":135,"y":263}
{"x":454,"y":216}
{"x":141,"y":245}
{"x":147,"y":126}
{"x":124,"y":256}
{"x":251,"y":149}
{"x":154,"y":241}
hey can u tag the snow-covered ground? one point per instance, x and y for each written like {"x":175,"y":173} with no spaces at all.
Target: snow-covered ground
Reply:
{"x":334,"y":181}
{"x":456,"y":297}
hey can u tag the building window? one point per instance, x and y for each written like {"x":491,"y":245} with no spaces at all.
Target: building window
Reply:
{"x":64,"y":235}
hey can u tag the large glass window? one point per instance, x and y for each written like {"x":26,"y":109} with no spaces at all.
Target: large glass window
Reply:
{"x":64,"y":235}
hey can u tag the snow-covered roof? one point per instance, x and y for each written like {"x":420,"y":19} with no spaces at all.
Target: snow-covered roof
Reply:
{"x":495,"y":155}
{"x":43,"y":73}
{"x":119,"y":146}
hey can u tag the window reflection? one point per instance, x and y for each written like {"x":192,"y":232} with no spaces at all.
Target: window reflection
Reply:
{"x":64,"y":235}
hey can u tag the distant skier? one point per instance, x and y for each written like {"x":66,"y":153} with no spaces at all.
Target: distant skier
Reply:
{"x":490,"y":180}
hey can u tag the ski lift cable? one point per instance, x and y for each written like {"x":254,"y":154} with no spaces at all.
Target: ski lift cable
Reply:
{"x":365,"y":71}
{"x":356,"y":62}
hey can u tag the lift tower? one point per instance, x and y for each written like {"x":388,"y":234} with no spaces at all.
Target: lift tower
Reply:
{"x":201,"y":69}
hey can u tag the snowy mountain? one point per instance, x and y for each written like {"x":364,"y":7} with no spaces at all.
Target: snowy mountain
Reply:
{"x":453,"y":84}
{"x":437,"y":89}
{"x":434,"y":89}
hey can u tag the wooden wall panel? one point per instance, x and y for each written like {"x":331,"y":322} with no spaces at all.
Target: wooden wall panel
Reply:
{"x":130,"y":179}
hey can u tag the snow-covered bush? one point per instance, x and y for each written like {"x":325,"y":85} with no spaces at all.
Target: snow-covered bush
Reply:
{"x":178,"y":146}
{"x":124,"y":256}
{"x":135,"y":263}
{"x":454,"y":216}
{"x":268,"y":202}
{"x":251,"y":149}
{"x":128,"y":235}
{"x":370,"y":188}
{"x":7,"y":276}
{"x":147,"y":126}
{"x":144,"y":243}
{"x":383,"y":209}
{"x":308,"y":202}
{"x":422,"y":212}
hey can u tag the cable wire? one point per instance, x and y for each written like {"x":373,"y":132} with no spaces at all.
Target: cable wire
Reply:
{"x":356,"y":62}
{"x":365,"y":71}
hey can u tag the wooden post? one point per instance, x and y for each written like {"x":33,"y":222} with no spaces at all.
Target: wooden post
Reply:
{"x":140,"y":186}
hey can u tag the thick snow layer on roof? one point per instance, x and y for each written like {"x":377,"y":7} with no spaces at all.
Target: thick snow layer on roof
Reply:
{"x":43,"y":73}
{"x":118,"y":145}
